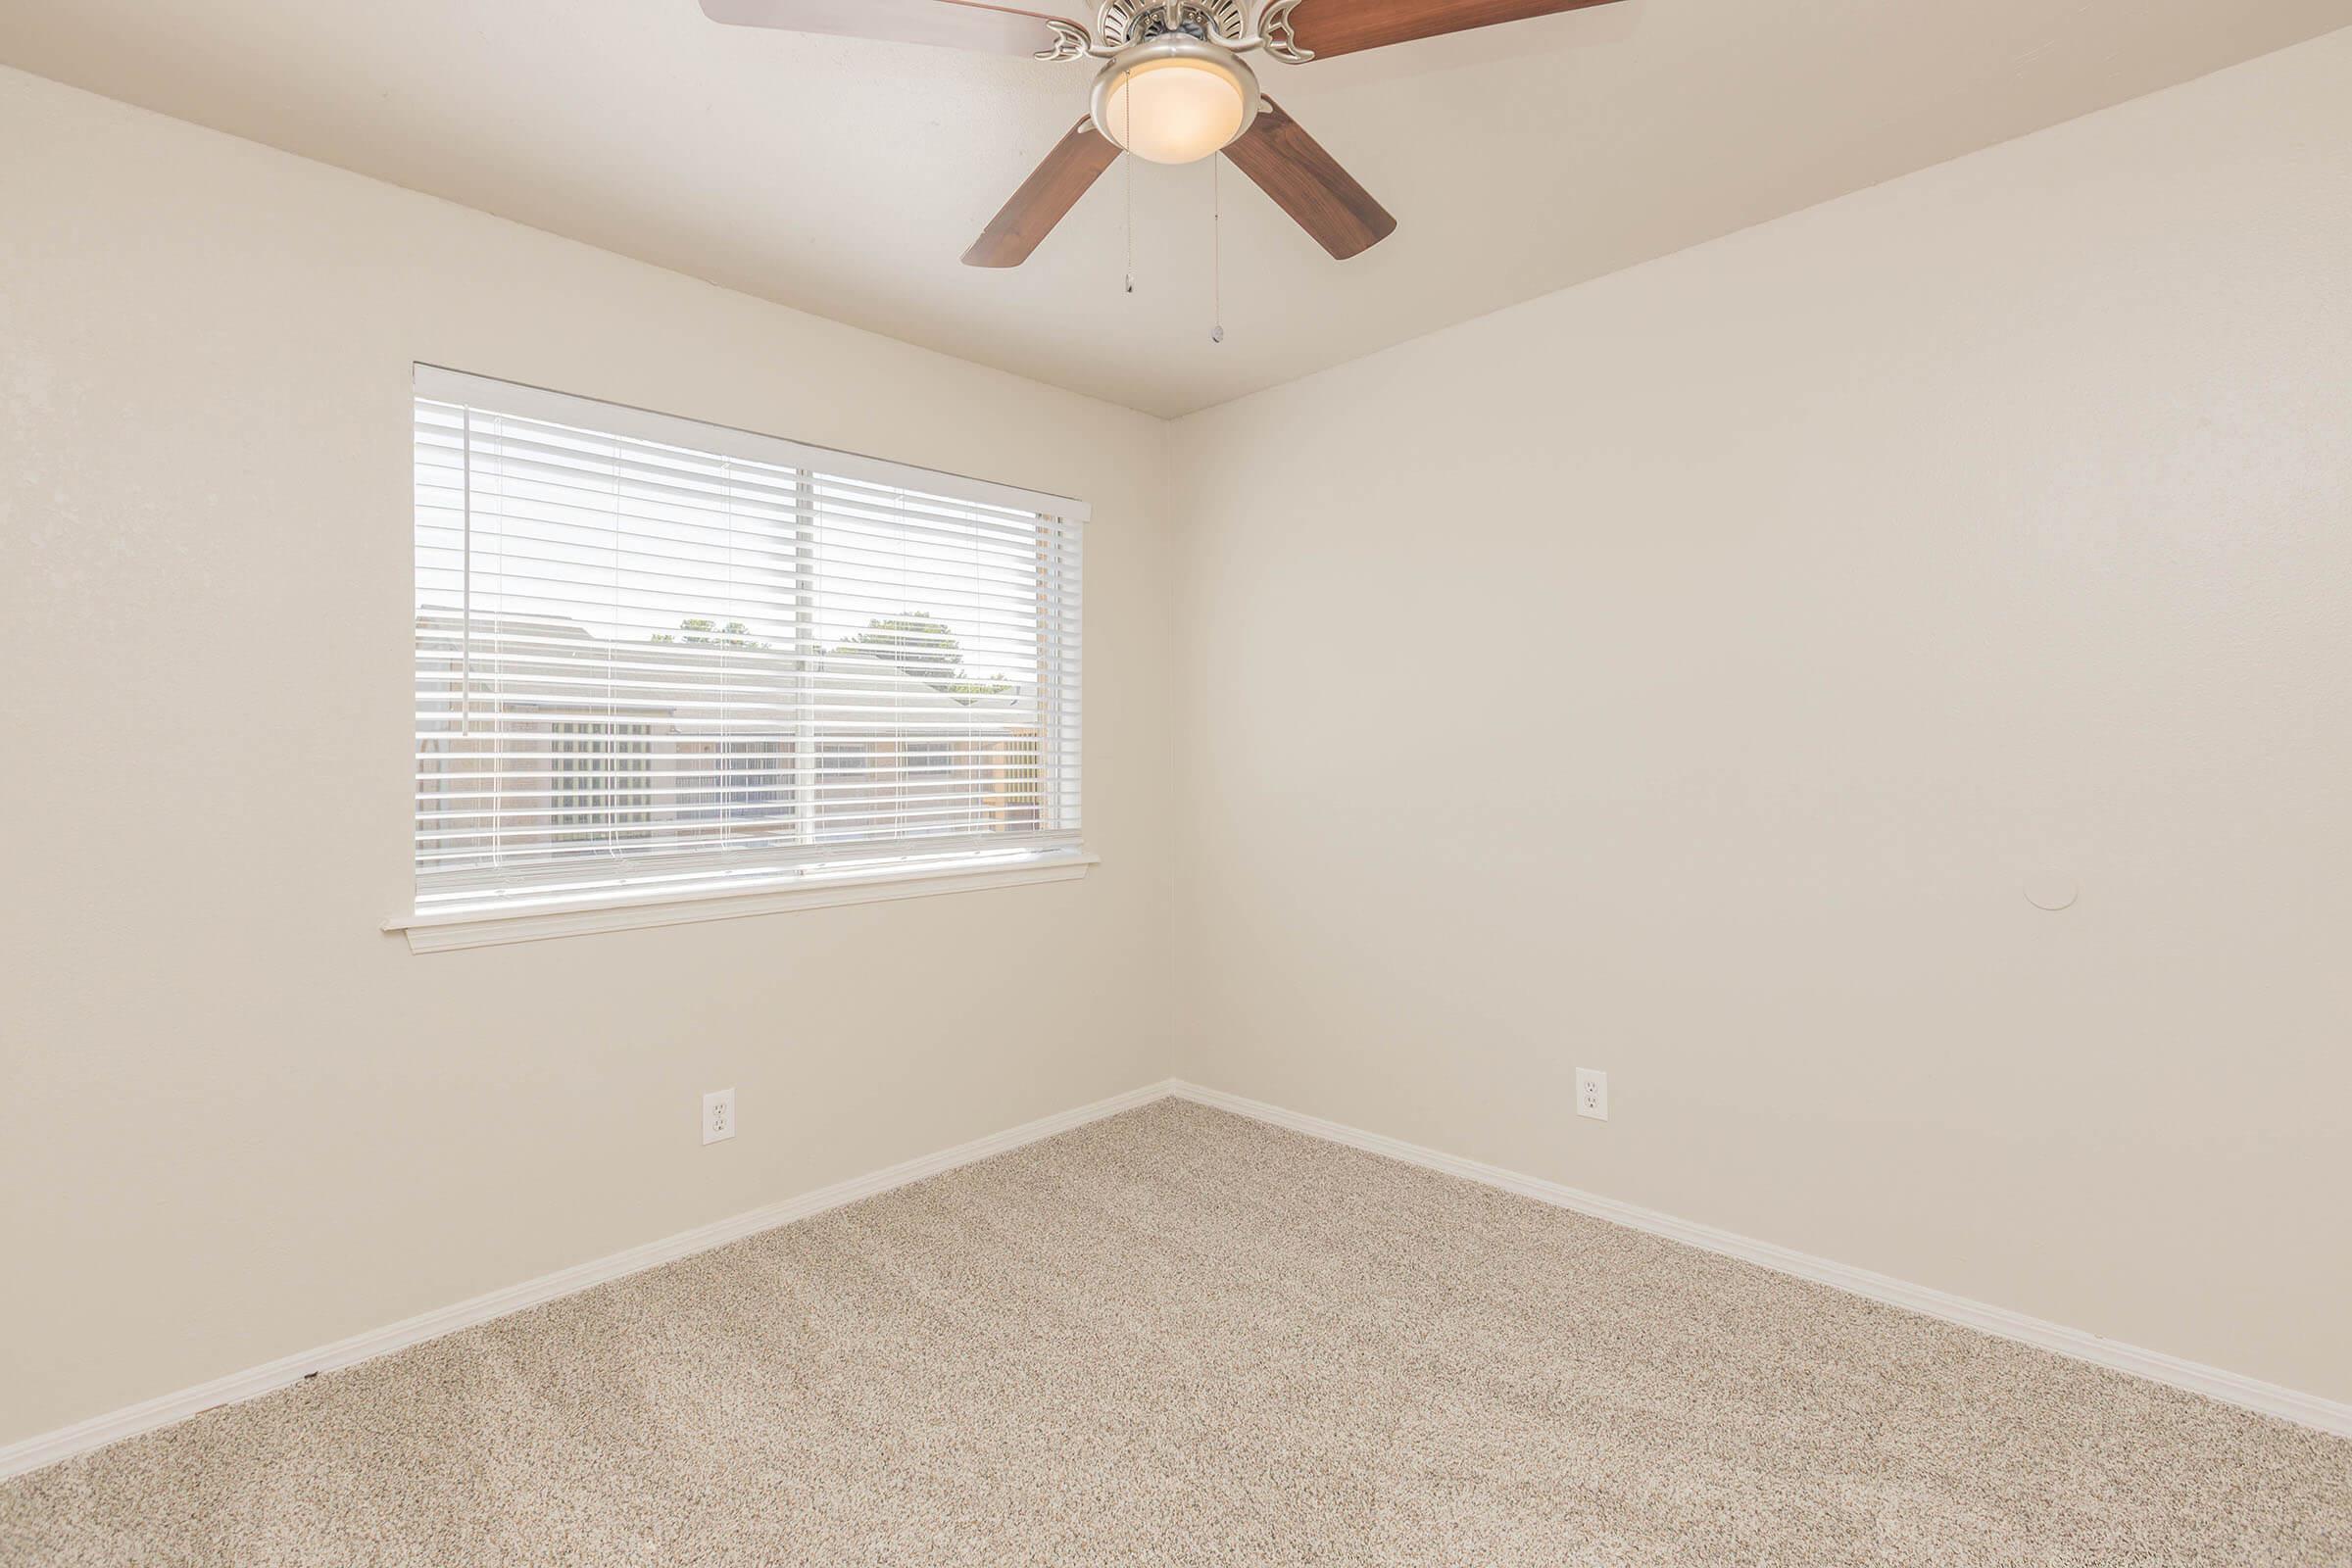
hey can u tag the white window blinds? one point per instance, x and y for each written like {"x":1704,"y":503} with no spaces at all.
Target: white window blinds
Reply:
{"x":654,"y":654}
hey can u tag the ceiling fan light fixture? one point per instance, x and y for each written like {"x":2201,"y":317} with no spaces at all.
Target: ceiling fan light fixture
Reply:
{"x":1174,"y":98}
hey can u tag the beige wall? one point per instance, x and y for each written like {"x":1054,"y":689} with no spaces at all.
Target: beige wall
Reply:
{"x":1679,"y":674}
{"x":236,"y":1121}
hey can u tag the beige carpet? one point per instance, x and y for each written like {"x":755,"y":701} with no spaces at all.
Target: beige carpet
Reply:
{"x":1178,"y":1336}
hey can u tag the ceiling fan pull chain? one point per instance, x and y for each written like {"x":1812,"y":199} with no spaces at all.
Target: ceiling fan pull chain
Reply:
{"x":1128,"y":159}
{"x":1216,"y":253}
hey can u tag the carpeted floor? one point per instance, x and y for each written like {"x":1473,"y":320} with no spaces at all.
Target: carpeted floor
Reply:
{"x":1178,"y":1336}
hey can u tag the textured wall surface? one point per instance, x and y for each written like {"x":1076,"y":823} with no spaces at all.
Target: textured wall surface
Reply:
{"x":237,"y":1120}
{"x":1680,"y":676}
{"x":1683,"y":674}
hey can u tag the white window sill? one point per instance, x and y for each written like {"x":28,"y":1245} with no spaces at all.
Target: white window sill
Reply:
{"x":486,"y":927}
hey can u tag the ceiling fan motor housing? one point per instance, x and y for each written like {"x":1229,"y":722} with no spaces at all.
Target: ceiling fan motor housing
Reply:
{"x":1120,"y":22}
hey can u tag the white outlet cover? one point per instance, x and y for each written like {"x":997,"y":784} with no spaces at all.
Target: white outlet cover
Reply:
{"x":1592,"y":1093}
{"x":719,"y":1115}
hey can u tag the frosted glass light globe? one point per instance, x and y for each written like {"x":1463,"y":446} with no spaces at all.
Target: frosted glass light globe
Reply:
{"x":1174,"y":99}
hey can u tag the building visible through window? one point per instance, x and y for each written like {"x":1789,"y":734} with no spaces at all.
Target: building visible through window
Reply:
{"x":648,"y":659}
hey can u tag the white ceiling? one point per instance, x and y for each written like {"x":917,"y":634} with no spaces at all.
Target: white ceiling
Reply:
{"x":845,"y":178}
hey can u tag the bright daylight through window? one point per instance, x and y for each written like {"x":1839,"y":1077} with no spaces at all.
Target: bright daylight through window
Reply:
{"x":659,"y":659}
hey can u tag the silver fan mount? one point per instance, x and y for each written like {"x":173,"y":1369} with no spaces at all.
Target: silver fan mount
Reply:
{"x":1123,"y":25}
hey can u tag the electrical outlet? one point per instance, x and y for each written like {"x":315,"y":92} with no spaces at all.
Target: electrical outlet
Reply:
{"x":719,"y":1115}
{"x":1592,"y":1093}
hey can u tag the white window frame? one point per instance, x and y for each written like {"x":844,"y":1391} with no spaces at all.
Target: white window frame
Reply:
{"x":535,"y":918}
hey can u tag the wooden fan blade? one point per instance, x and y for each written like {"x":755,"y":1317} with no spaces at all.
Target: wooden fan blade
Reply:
{"x":1052,"y":189}
{"x":1308,"y":182}
{"x":951,"y":24}
{"x":1326,"y":28}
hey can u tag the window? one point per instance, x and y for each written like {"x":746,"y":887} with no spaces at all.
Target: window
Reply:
{"x":600,"y":780}
{"x":662,"y":659}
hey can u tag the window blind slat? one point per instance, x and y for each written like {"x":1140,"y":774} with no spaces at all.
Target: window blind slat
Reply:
{"x":640,"y":661}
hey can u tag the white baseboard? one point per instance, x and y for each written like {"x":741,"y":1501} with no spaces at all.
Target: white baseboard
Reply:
{"x":31,"y":1453}
{"x":2229,"y":1388}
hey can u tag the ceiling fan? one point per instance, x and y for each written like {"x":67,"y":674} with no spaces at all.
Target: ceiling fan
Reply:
{"x":1173,"y":89}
